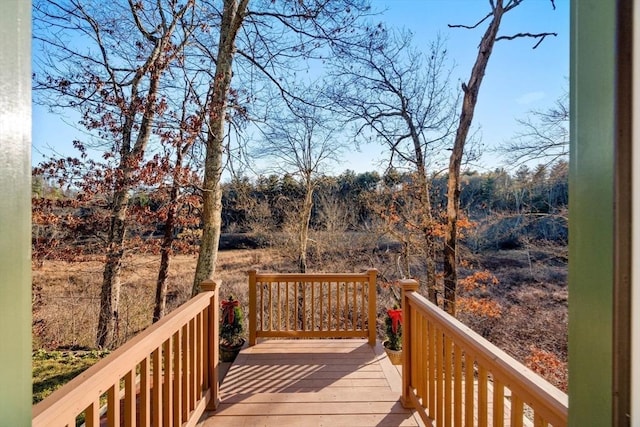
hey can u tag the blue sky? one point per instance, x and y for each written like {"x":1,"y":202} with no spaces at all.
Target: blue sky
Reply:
{"x":518,"y":78}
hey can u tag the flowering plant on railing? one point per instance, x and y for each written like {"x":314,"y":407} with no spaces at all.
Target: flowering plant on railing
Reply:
{"x":393,"y":323}
{"x":231,"y":327}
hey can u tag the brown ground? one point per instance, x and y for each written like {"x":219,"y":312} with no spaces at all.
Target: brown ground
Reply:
{"x":531,"y":291}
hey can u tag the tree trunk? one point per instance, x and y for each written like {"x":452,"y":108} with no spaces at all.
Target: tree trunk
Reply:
{"x":424,"y":194}
{"x":166,"y":252}
{"x":470,"y":99}
{"x":232,"y":17}
{"x":305,"y":218}
{"x":108,"y":318}
{"x":429,"y":240}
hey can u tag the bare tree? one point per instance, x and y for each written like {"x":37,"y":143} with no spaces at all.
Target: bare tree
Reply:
{"x":543,"y":135}
{"x":108,"y":61}
{"x":470,"y":98}
{"x":300,"y":140}
{"x":178,"y":141}
{"x":401,"y":97}
{"x":267,"y":39}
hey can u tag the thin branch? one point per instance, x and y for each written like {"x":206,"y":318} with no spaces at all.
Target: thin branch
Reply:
{"x":540,"y":36}
{"x":470,"y":27}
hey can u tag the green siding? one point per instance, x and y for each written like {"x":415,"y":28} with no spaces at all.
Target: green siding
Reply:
{"x":15,"y":213}
{"x":591,"y":212}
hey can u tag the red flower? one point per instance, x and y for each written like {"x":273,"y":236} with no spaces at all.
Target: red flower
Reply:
{"x":228,"y":309}
{"x":396,"y":318}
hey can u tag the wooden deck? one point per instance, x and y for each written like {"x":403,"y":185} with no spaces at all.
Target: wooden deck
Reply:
{"x":311,"y":383}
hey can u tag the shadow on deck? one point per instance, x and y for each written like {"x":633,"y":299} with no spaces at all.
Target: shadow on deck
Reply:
{"x":311,"y":383}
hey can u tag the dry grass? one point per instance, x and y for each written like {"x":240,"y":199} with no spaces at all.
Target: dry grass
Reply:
{"x":66,"y":296}
{"x":531,"y":291}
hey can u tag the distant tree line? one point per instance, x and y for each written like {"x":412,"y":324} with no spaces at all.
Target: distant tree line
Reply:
{"x":67,"y":224}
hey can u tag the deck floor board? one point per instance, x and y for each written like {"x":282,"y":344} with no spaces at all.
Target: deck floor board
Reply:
{"x":311,"y":383}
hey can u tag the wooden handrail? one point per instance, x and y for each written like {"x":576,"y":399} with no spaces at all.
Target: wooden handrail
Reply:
{"x":170,"y":374}
{"x":451,"y":373}
{"x":319,"y":305}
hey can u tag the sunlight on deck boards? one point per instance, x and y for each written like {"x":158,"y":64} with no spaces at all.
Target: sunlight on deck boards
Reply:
{"x":311,"y":383}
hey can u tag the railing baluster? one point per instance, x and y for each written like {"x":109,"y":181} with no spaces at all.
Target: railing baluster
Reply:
{"x":130,"y":398}
{"x":423,"y":362}
{"x":296,"y":316}
{"x":270,"y":306}
{"x":177,"y":383}
{"x":469,"y":395}
{"x":538,"y":421}
{"x":482,"y":396}
{"x":145,"y":393}
{"x":193,"y":397}
{"x":329,"y":308}
{"x":286,"y":305}
{"x":517,"y":411}
{"x":304,"y":306}
{"x":363,"y":307}
{"x":432,"y":371}
{"x":313,"y":305}
{"x":279,"y":310}
{"x":338,"y":306}
{"x":92,"y":414}
{"x":354,"y":307}
{"x":185,"y":372}
{"x":448,"y":381}
{"x":199,"y":357}
{"x":320,"y":307}
{"x":113,"y":405}
{"x":346,"y":307}
{"x":457,"y":385}
{"x":439,"y":377}
{"x":262,"y":310}
{"x":156,"y":390}
{"x":498,"y":403}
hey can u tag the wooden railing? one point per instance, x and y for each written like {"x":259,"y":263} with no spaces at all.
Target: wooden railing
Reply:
{"x":312,"y":305}
{"x":165,"y":376}
{"x":453,"y":376}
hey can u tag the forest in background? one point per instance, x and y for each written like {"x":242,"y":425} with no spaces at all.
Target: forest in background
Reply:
{"x":507,"y":211}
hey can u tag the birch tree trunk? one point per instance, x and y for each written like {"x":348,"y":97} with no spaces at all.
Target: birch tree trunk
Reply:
{"x":232,"y":17}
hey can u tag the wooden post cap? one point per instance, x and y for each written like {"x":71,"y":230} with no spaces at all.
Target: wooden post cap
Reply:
{"x":408,"y":285}
{"x":209,"y":285}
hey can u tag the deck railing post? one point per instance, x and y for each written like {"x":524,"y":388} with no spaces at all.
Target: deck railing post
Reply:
{"x":408,"y":286}
{"x":373,"y":296}
{"x":253,"y":312}
{"x":212,"y":341}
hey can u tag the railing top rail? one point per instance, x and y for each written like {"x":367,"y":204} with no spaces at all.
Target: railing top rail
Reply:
{"x":78,"y":393}
{"x":307,"y":277}
{"x":529,"y":385}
